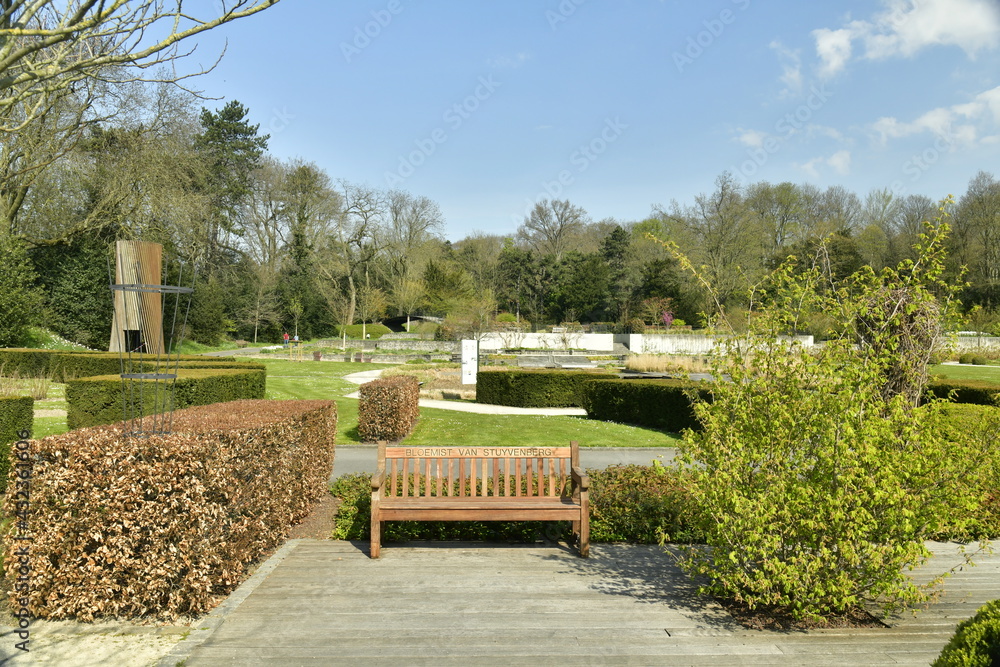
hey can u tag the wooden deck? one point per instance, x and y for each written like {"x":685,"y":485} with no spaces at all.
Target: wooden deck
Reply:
{"x":327,"y":603}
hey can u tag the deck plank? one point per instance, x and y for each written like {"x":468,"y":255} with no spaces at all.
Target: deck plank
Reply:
{"x":328,"y":603}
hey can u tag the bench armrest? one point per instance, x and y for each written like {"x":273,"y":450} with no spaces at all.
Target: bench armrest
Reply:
{"x":580,"y":478}
{"x":378,"y":479}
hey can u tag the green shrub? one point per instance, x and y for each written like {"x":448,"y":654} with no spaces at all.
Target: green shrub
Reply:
{"x":977,"y":429}
{"x":641,"y":504}
{"x":99,"y":399}
{"x":979,"y":392}
{"x":388,"y":408}
{"x":973,"y":358}
{"x":353,"y":521}
{"x":16,"y":417}
{"x":976,"y":642}
{"x":662,"y":404}
{"x":817,"y":479}
{"x":533,"y":389}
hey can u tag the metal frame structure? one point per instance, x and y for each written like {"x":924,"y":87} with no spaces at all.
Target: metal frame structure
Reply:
{"x":148,"y":368}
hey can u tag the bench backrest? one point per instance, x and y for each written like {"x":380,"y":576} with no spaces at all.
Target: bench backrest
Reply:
{"x":443,"y":471}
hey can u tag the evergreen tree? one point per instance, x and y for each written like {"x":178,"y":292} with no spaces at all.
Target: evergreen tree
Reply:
{"x":20,"y":301}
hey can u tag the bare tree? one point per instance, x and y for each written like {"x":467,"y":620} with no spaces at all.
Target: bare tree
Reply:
{"x":412,"y":222}
{"x":407,"y":295}
{"x":723,"y":236}
{"x":551,"y":225}
{"x":48,"y":48}
{"x":346,"y":253}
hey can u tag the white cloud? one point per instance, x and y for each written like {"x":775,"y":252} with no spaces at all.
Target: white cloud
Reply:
{"x":833,"y":48}
{"x":908,"y":26}
{"x":751,"y":138}
{"x":962,"y":124}
{"x":791,"y":68}
{"x":841,"y":162}
{"x":810,"y":167}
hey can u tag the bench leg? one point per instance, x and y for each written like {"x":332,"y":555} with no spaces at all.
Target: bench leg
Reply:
{"x":376,"y":544}
{"x":584,"y":539}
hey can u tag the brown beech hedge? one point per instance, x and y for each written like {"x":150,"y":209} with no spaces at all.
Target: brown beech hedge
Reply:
{"x":388,"y":408}
{"x":163,"y":526}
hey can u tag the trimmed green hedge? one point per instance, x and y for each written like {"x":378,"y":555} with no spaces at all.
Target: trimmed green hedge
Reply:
{"x":16,"y":414}
{"x":98,"y":399}
{"x":976,"y":425}
{"x":663,"y":404}
{"x":63,"y":368}
{"x":534,"y":389}
{"x":976,"y":642}
{"x":979,"y":392}
{"x":60,"y":365}
{"x":26,"y":362}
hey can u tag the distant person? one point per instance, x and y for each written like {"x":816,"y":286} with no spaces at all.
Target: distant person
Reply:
{"x":296,"y":338}
{"x":286,"y":339}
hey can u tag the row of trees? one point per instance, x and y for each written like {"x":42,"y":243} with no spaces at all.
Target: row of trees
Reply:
{"x":280,"y":245}
{"x":96,"y":148}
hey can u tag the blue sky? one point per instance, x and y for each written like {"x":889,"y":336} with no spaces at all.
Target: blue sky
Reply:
{"x":487,"y":107}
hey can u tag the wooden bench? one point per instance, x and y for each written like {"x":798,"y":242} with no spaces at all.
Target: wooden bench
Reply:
{"x":448,"y":483}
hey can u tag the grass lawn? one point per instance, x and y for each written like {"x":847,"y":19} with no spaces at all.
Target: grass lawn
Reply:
{"x":954,"y":372}
{"x":445,"y":427}
{"x":307,"y":379}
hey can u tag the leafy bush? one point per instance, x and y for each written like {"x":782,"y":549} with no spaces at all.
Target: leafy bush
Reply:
{"x":972,"y":358}
{"x":818,"y":478}
{"x":162,"y":526}
{"x":533,"y":389}
{"x":976,"y":428}
{"x":641,"y":504}
{"x":976,"y":642}
{"x":663,"y":404}
{"x":388,"y":408}
{"x":353,"y":521}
